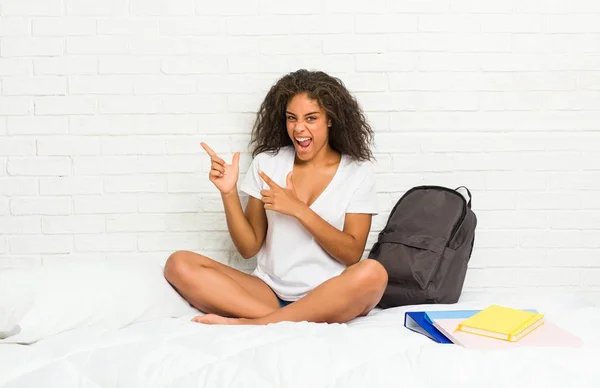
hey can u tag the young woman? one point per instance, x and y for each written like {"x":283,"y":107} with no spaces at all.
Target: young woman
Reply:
{"x":312,"y":195}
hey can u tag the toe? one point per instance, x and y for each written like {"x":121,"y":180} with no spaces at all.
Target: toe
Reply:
{"x":199,"y":318}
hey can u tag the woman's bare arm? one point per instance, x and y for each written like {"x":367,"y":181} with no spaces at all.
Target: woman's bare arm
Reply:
{"x":247,"y":229}
{"x":345,"y":246}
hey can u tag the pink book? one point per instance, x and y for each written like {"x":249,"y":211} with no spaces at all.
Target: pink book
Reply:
{"x":548,"y":334}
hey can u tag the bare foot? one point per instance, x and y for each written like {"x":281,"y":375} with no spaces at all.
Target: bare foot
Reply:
{"x":214,"y":319}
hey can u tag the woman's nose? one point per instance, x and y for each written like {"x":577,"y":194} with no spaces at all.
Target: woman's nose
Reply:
{"x":299,"y":128}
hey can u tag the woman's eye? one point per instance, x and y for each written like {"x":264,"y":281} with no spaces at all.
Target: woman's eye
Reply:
{"x":290,"y":117}
{"x":311,"y":118}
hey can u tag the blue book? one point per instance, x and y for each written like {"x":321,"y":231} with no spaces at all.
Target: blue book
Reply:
{"x":422,"y":322}
{"x":417,"y":322}
{"x":449,"y":314}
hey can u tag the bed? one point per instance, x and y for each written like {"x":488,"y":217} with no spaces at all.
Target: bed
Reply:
{"x":137,"y":332}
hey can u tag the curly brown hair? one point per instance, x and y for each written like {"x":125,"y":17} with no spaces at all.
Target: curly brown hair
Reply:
{"x":350,"y":133}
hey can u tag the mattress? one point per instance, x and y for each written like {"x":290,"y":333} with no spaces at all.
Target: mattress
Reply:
{"x":372,"y":351}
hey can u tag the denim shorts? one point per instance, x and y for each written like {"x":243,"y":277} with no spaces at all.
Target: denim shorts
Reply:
{"x":282,"y":302}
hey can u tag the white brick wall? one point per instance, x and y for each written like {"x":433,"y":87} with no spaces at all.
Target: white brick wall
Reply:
{"x":103,"y":104}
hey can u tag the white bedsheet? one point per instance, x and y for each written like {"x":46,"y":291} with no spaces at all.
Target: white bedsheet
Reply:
{"x":374,"y":351}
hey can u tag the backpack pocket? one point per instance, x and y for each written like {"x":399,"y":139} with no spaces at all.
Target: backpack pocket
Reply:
{"x":409,"y":258}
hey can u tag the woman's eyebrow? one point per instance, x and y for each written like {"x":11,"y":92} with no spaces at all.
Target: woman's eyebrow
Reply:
{"x":308,"y":114}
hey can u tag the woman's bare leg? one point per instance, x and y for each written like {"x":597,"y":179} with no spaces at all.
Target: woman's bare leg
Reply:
{"x":353,"y":293}
{"x":213,"y":287}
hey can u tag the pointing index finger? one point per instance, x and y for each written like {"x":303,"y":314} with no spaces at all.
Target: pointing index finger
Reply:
{"x":213,"y":155}
{"x":268,"y":180}
{"x":208,"y":149}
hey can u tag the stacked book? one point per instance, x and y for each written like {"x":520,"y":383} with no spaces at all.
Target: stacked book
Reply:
{"x":493,"y":327}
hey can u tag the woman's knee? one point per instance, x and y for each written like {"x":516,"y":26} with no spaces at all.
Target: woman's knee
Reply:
{"x":179,"y":265}
{"x":370,"y":277}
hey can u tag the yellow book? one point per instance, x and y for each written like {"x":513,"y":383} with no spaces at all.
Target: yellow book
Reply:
{"x":502,"y":323}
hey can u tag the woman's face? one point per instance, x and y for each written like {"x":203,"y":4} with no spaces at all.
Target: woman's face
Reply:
{"x":307,"y":126}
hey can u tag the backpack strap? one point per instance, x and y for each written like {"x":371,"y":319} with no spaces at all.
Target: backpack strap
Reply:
{"x":468,"y":192}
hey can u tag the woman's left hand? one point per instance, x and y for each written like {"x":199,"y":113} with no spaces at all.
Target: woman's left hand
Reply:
{"x":279,"y":199}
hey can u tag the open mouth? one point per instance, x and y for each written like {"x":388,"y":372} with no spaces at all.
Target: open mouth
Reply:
{"x":303,"y":143}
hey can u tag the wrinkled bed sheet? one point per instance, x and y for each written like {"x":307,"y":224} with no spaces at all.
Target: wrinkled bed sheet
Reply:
{"x":373,"y":351}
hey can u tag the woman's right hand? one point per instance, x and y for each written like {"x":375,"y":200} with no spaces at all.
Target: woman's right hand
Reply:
{"x":223,"y":175}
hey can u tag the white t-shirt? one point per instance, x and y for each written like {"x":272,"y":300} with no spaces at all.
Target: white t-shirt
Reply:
{"x":290,"y":261}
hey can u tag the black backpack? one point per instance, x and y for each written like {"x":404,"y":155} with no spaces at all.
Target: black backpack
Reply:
{"x":426,"y":246}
